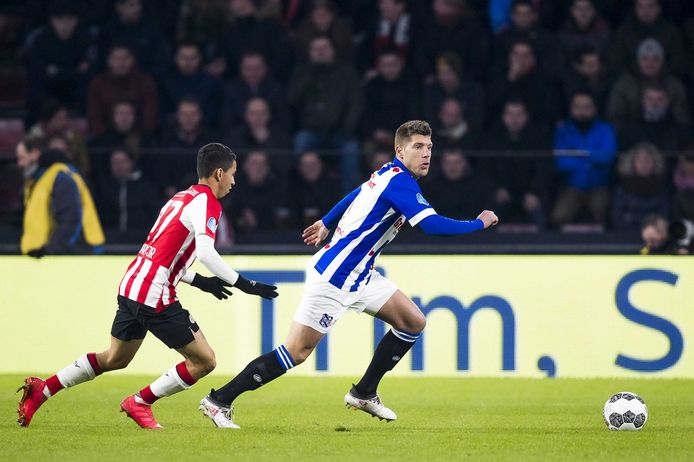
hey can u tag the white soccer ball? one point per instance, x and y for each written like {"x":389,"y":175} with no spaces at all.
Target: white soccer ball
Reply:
{"x":625,"y":411}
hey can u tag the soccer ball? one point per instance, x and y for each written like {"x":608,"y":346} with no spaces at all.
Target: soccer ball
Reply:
{"x":625,"y":411}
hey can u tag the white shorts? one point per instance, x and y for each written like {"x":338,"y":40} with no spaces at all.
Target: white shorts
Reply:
{"x":323,"y":304}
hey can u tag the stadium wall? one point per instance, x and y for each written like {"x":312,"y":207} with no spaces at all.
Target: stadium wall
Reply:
{"x":511,"y":316}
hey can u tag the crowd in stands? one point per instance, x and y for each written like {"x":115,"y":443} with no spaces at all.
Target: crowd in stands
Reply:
{"x":550,"y":112}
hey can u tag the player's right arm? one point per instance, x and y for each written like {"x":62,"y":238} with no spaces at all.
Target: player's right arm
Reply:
{"x":317,"y":232}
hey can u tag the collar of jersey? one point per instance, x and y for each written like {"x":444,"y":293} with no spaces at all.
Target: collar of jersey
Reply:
{"x":397,"y":163}
{"x":203,"y":185}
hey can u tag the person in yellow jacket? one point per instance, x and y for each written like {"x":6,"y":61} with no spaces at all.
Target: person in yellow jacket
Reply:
{"x":59,"y":212}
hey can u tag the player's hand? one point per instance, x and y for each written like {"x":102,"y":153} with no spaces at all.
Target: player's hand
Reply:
{"x":489,"y":218}
{"x":256,"y":288}
{"x":315,"y":234}
{"x":213,"y":285}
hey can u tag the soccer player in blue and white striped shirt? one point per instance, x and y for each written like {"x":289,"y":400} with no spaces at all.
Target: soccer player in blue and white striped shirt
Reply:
{"x":341,"y":277}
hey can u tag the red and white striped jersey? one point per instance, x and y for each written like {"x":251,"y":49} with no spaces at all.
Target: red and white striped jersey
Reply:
{"x":170,"y":247}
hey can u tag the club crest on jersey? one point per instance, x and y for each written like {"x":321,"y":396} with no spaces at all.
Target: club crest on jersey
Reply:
{"x":212,"y":224}
{"x":421,"y":199}
{"x":326,"y":321}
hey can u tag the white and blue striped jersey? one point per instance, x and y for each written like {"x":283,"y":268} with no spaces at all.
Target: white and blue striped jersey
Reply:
{"x":378,"y":210}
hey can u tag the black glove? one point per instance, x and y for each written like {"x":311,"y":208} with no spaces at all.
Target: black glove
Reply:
{"x":37,"y":253}
{"x":213,"y":285}
{"x":256,"y":288}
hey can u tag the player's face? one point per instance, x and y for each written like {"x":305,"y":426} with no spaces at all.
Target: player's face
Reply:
{"x":416,"y":155}
{"x":226,"y":181}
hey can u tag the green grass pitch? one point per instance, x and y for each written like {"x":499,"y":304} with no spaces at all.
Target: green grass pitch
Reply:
{"x":304,"y":419}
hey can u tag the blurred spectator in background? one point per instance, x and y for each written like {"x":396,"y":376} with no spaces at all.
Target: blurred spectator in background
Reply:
{"x":452,"y":82}
{"x":646,"y":23}
{"x":525,"y":26}
{"x":454,"y":28}
{"x":451,"y":127}
{"x":584,"y":27}
{"x":328,"y":101}
{"x":181,"y":140}
{"x":188,"y":80}
{"x":312,"y":193}
{"x":626,"y":95}
{"x":205,"y":22}
{"x":683,"y":179}
{"x":126,"y":201}
{"x":255,"y":205}
{"x":253,"y":81}
{"x":392,"y":98}
{"x":130,"y":27}
{"x":378,"y":159}
{"x":521,"y":78}
{"x":257,"y":132}
{"x":642,"y":187}
{"x":322,"y":20}
{"x":55,"y":121}
{"x":585,"y":149}
{"x":122,"y":81}
{"x":521,"y":168}
{"x":654,"y":122}
{"x":656,"y":236}
{"x":394,"y":28}
{"x":59,"y":213}
{"x":456,"y":190}
{"x":59,"y":60}
{"x":587,"y":72}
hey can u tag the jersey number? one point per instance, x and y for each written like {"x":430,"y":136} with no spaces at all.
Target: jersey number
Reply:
{"x":167,"y":214}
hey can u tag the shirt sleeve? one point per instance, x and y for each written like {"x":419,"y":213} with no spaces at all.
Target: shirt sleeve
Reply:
{"x":333,"y":216}
{"x":406,"y":196}
{"x":203,"y":215}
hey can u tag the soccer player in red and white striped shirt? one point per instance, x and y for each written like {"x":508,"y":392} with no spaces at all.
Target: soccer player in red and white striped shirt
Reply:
{"x":185,"y":229}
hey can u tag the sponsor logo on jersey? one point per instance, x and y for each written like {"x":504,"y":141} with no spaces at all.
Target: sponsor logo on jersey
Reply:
{"x":212,"y":224}
{"x":421,"y":199}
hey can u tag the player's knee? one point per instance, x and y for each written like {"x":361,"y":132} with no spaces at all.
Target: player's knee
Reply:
{"x":417,"y":323}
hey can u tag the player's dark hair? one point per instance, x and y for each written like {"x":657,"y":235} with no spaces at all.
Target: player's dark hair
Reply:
{"x":582,"y":50}
{"x":32,"y":142}
{"x":652,"y":220}
{"x":411,"y":128}
{"x":213,"y":156}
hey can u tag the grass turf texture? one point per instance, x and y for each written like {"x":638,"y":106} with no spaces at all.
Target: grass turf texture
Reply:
{"x":299,"y":418}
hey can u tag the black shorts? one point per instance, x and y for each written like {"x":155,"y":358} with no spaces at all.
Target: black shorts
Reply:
{"x":174,"y":326}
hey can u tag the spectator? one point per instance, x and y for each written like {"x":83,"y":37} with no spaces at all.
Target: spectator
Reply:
{"x":55,"y":121}
{"x":181,"y":140}
{"x":377,"y":160}
{"x":257,"y":131}
{"x":522,"y":175}
{"x":451,"y":82}
{"x":127,"y":202}
{"x":253,"y":81}
{"x":122,"y":81}
{"x":392,"y":96}
{"x":206,"y":23}
{"x":584,"y":27}
{"x":188,"y":80}
{"x":313,"y":193}
{"x":130,"y":27}
{"x":499,"y":12}
{"x":327,"y":99}
{"x":58,"y":204}
{"x":642,"y":187}
{"x":394,"y":28}
{"x":656,"y":237}
{"x":625,"y":97}
{"x":458,"y":191}
{"x":521,"y":79}
{"x":452,"y":127}
{"x":254,"y":205}
{"x":683,"y":179}
{"x":59,"y":64}
{"x":585,"y":150}
{"x":587,"y":72}
{"x":323,"y":20}
{"x":645,"y":23}
{"x":525,"y":26}
{"x":453,"y":30}
{"x":653,"y":123}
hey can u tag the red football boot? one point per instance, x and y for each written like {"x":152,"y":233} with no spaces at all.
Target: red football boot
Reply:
{"x":31,"y":401}
{"x":140,"y":413}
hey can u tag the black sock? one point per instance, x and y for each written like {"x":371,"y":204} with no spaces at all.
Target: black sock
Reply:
{"x":257,"y":373}
{"x":388,"y":353}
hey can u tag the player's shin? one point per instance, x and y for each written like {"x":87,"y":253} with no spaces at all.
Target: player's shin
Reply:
{"x":392,"y":347}
{"x":174,"y":380}
{"x":81,"y":370}
{"x":257,"y":373}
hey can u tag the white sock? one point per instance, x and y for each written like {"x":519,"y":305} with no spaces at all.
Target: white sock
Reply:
{"x":166,"y":385}
{"x":78,"y":372}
